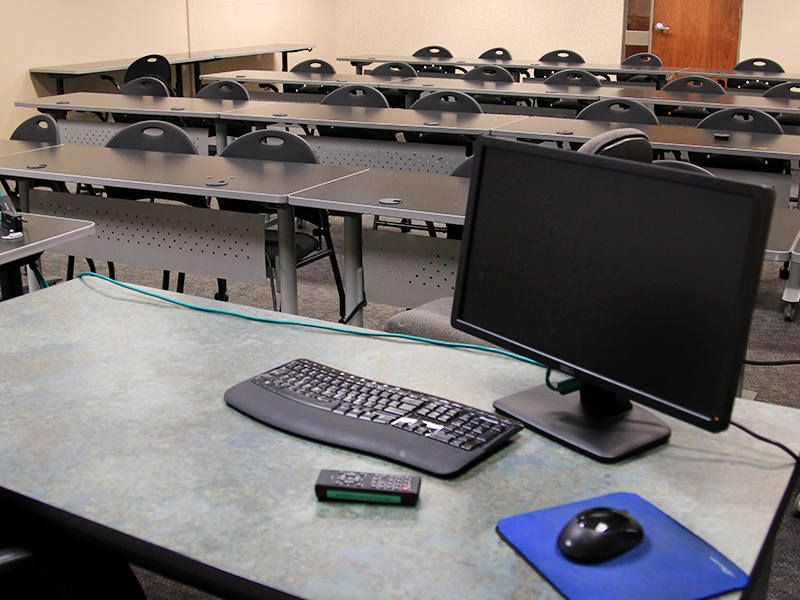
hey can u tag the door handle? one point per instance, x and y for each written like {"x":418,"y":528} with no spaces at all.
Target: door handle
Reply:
{"x":661,"y":28}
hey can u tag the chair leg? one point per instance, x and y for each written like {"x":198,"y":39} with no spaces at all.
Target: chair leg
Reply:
{"x":70,"y":267}
{"x":222,"y":293}
{"x":165,"y":280}
{"x":271,"y":275}
{"x":181,"y":282}
{"x":337,"y":275}
{"x":90,"y":262}
{"x":111,"y":271}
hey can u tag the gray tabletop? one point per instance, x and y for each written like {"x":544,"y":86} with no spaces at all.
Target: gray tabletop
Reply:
{"x":184,"y":485}
{"x":718,"y":101}
{"x":19,"y":147}
{"x":515,"y":89}
{"x":327,"y":79}
{"x":104,"y":66}
{"x":204,"y":108}
{"x":396,"y":119}
{"x":664,"y":137}
{"x":40,"y":233}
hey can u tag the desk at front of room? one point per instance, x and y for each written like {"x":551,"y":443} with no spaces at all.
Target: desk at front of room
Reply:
{"x":200,"y":493}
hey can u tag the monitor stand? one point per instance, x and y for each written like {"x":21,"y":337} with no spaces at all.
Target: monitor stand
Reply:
{"x":606,"y":436}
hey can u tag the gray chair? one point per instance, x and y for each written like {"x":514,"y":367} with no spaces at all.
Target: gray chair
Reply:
{"x":156,"y":136}
{"x":396,"y":98}
{"x":356,"y":95}
{"x":790,"y":91}
{"x":496,"y":54}
{"x":696,"y":84}
{"x":222,"y":90}
{"x":451,"y":101}
{"x":436,"y":52}
{"x":39,"y":128}
{"x":574,"y":77}
{"x":312,"y":65}
{"x":495,"y":74}
{"x":557,"y":56}
{"x":643,"y":59}
{"x":627,"y":143}
{"x":749,"y":120}
{"x":152,"y":65}
{"x":764,"y":65}
{"x":619,"y":111}
{"x":283,"y":146}
{"x":143,"y":86}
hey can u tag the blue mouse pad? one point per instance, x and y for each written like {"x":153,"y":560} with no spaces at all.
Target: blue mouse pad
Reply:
{"x":671,"y":563}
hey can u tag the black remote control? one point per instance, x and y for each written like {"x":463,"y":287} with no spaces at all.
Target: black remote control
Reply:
{"x":367,"y":487}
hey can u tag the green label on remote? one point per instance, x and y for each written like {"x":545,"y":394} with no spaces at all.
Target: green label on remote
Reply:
{"x":359,"y":497}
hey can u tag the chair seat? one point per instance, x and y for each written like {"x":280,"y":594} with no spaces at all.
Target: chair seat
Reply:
{"x":431,"y":320}
{"x":305,"y":244}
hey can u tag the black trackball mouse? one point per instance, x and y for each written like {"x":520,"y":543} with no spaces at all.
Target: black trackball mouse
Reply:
{"x":599,"y":534}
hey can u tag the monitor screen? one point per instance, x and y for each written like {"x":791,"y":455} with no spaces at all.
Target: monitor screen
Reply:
{"x":635,"y":279}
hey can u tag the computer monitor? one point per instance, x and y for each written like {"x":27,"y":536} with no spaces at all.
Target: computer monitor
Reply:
{"x":637,"y":280}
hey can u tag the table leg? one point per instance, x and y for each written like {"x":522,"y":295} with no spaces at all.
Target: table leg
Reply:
{"x":287,"y":268}
{"x":221,"y":133}
{"x":353,"y":268}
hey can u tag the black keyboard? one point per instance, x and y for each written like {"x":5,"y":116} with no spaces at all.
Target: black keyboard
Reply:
{"x":324,"y":404}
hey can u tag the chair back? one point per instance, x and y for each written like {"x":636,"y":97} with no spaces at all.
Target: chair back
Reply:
{"x":790,"y":89}
{"x":314,"y":65}
{"x":39,"y":128}
{"x":577,"y":77}
{"x":271,"y":144}
{"x":749,"y":120}
{"x":152,"y":65}
{"x":682,"y":165}
{"x":433,"y":52}
{"x":145,"y":86}
{"x":394,"y":69}
{"x":564,"y":56}
{"x":619,"y":111}
{"x":626,"y":143}
{"x":643,"y":59}
{"x":759,"y":64}
{"x":158,"y":136}
{"x":224,"y":90}
{"x":464,"y":169}
{"x":489,"y":73}
{"x":694,"y":83}
{"x":496,"y":54}
{"x":448,"y":101}
{"x":356,"y":95}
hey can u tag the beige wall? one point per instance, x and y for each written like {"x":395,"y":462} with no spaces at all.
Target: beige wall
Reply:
{"x":49,"y":32}
{"x":40,"y":33}
{"x":769,"y":30}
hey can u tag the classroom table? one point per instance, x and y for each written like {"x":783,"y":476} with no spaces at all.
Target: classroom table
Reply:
{"x":417,"y":196}
{"x":148,"y":463}
{"x":243,"y":179}
{"x":281,"y":77}
{"x":393,"y":119}
{"x":714,"y":101}
{"x":39,"y":233}
{"x":192,"y":58}
{"x":517,"y":65}
{"x":154,"y":106}
{"x":735,"y":74}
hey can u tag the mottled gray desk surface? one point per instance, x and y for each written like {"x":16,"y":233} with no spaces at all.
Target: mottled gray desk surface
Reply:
{"x":112,"y":410}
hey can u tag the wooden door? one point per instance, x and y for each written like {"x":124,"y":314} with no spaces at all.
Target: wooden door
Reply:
{"x":702,"y":33}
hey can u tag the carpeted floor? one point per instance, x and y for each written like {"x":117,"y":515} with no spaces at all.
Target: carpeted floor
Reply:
{"x":772,"y":338}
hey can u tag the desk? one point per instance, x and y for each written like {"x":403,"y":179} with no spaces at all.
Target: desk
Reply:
{"x":664,"y":137}
{"x":40,"y":233}
{"x":149,"y":461}
{"x":61,"y":72}
{"x":717,"y":101}
{"x":393,"y":119}
{"x":423,"y":197}
{"x":515,"y":65}
{"x":177,"y":106}
{"x":326,"y":79}
{"x":731,"y":74}
{"x":245,"y":179}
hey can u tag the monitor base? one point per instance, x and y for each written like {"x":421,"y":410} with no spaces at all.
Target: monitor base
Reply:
{"x":605,"y":438}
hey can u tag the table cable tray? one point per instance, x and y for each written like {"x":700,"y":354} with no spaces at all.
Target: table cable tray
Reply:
{"x":324,"y":404}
